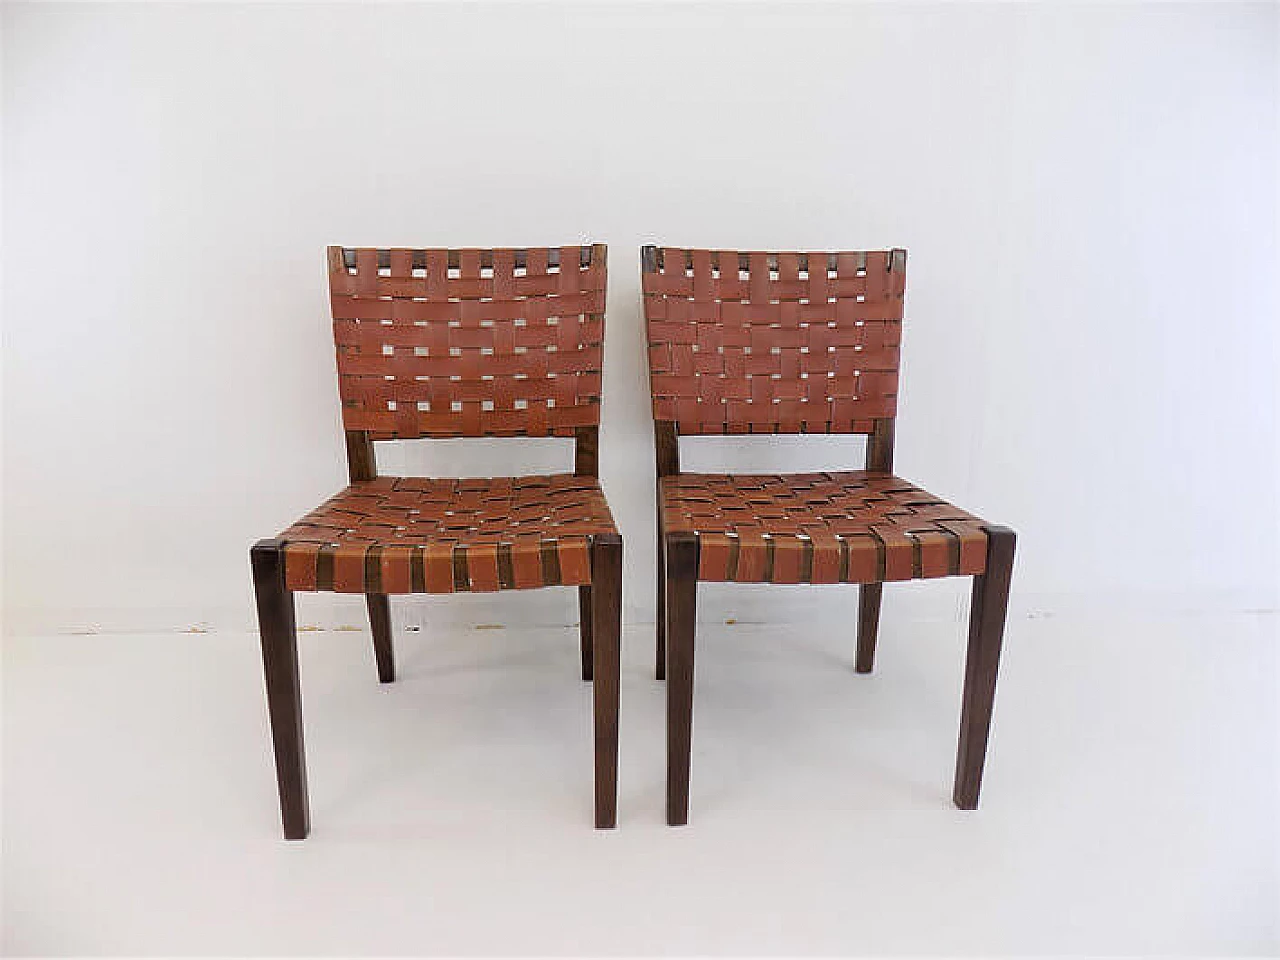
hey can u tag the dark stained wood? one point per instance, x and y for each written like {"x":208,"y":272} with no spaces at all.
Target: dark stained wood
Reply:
{"x":666,"y":444}
{"x":284,"y":693}
{"x":362,"y":465}
{"x":986,"y":635}
{"x":361,"y":462}
{"x":486,"y":257}
{"x":880,"y":446}
{"x":379,"y":605}
{"x":667,"y":447}
{"x":585,"y":635}
{"x":879,"y":457}
{"x":586,"y":452}
{"x":660,"y":620}
{"x":682,"y":602}
{"x":869,"y":595}
{"x":606,"y":616}
{"x":653,"y":258}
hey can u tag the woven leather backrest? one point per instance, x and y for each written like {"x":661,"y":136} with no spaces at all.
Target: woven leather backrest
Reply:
{"x":773,"y":342}
{"x":468,"y":343}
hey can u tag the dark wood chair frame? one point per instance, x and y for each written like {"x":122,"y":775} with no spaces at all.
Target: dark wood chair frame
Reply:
{"x":600,"y":611}
{"x":677,"y":593}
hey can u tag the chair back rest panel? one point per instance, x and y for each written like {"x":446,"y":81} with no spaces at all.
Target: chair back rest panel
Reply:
{"x":468,"y":343}
{"x":773,"y":342}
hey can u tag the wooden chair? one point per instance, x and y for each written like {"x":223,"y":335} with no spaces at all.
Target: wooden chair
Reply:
{"x":455,"y":343}
{"x":798,"y":343}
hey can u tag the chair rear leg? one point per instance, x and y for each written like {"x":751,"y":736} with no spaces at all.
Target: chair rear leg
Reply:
{"x":869,"y":595}
{"x":660,"y":668}
{"x":606,"y":617}
{"x":379,"y":605}
{"x":682,"y":600}
{"x":284,"y":694}
{"x":986,"y":635}
{"x":585,"y":617}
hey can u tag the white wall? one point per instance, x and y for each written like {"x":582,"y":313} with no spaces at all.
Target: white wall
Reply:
{"x":1088,"y":194}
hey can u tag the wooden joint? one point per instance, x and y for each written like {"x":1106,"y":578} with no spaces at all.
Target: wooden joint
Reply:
{"x":681,"y":540}
{"x":683,"y":555}
{"x":666,"y":443}
{"x":1001,"y":540}
{"x":880,"y":446}
{"x":610,"y":539}
{"x":266,"y":550}
{"x":362,"y":464}
{"x":586,"y":451}
{"x":266,"y":559}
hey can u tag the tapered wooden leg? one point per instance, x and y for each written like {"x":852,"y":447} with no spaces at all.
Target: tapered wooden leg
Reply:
{"x":986,"y":634}
{"x":380,"y":623}
{"x":869,"y":595}
{"x":682,"y":602}
{"x":606,"y":617}
{"x":284,"y":694}
{"x":585,"y":616}
{"x":660,"y":667}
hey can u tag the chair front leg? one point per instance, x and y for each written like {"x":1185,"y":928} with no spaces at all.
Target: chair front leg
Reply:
{"x":986,"y":635}
{"x":379,"y":605}
{"x":606,"y":619}
{"x":681,"y":609}
{"x":869,"y":595}
{"x":585,"y":616}
{"x":284,"y":694}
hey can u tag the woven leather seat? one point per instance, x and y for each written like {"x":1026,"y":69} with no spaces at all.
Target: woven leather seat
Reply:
{"x":423,"y":535}
{"x":851,"y":527}
{"x":435,"y":343}
{"x":768,"y":343}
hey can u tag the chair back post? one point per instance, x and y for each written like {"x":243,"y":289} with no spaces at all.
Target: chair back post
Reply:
{"x":666,"y":441}
{"x":880,"y":446}
{"x":881,"y":439}
{"x":666,"y":444}
{"x":586,"y":452}
{"x":586,"y":440}
{"x":361,"y":462}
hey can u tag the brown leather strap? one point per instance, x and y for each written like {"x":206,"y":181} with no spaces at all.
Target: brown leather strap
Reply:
{"x":774,"y":342}
{"x":448,"y":343}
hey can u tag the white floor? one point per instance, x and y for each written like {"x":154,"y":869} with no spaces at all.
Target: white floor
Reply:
{"x":1130,"y":806}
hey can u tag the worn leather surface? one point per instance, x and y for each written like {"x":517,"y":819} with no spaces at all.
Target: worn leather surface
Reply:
{"x":855,"y":527}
